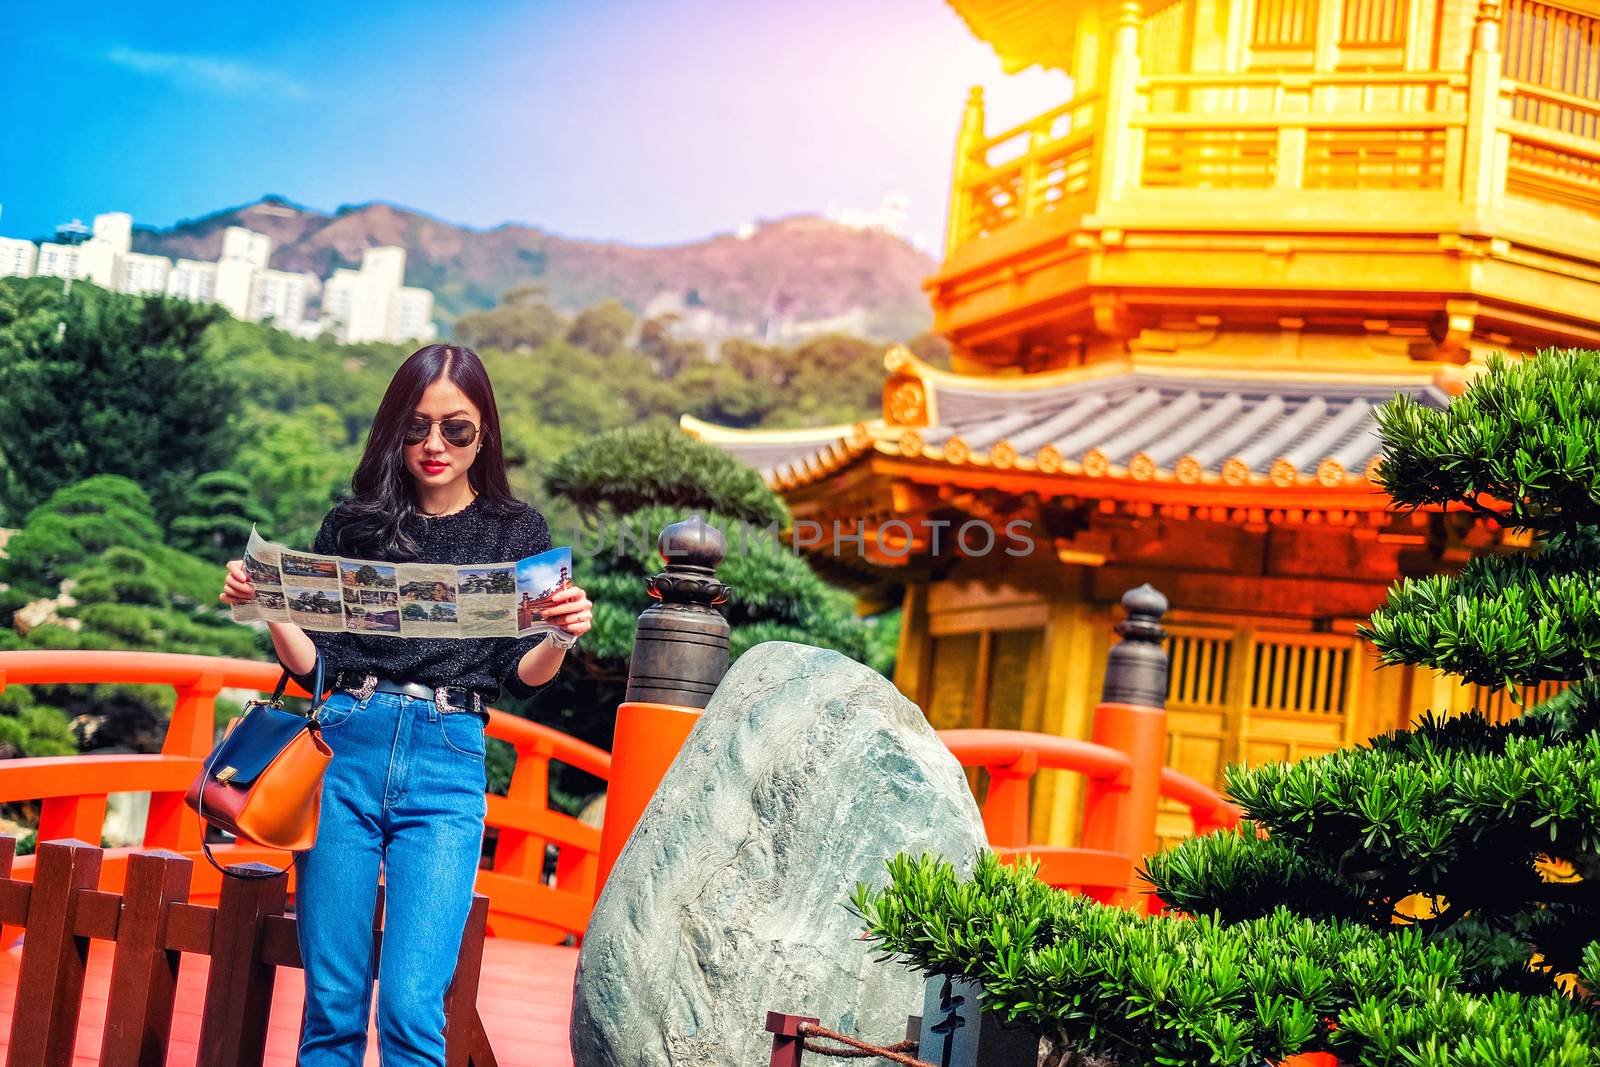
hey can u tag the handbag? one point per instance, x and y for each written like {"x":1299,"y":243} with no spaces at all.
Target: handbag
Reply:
{"x":263,"y":780}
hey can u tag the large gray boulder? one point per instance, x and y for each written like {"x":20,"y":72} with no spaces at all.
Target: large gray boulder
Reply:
{"x":806,"y":772}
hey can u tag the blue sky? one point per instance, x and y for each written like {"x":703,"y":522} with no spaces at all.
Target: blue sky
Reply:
{"x":535,"y":578}
{"x":648,"y":122}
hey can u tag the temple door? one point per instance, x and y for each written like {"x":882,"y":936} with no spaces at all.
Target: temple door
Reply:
{"x":1240,"y":693}
{"x":1203,"y":701}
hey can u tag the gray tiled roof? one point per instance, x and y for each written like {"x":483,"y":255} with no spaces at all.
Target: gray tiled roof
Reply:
{"x":1140,"y":425}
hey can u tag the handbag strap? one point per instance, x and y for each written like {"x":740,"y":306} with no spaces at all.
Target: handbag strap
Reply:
{"x":317,"y":698}
{"x":230,"y":872}
{"x":200,"y":801}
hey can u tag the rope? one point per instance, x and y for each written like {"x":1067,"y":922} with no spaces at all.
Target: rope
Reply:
{"x":857,"y":1049}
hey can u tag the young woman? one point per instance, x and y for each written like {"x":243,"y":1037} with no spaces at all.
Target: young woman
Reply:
{"x":405,"y":790}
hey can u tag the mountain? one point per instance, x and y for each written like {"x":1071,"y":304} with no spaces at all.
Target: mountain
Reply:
{"x":782,"y":279}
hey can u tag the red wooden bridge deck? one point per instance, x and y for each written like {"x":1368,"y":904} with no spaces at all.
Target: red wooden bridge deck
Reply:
{"x":525,"y":1000}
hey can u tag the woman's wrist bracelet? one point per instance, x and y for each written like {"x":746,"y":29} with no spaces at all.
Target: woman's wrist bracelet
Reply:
{"x":564,"y":641}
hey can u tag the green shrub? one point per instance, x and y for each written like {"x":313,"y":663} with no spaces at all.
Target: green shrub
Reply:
{"x":99,"y":383}
{"x":1521,"y":448}
{"x":219,"y":509}
{"x":1120,"y":987}
{"x":29,"y":728}
{"x":637,"y":467}
{"x":1462,"y":817}
{"x":125,"y":621}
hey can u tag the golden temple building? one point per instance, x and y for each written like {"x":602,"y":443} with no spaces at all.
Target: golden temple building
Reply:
{"x":1174,"y":302}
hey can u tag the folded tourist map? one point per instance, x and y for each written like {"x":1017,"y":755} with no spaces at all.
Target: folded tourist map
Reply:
{"x":403,"y":599}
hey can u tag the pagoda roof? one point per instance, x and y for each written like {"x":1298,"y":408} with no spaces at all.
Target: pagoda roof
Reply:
{"x":1026,"y":32}
{"x":773,"y":452}
{"x":1231,"y":432}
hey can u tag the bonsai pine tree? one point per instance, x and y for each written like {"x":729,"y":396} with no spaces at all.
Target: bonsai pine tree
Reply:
{"x":1429,"y":899}
{"x":93,"y":555}
{"x":629,"y":484}
{"x":219,"y":509}
{"x":1484,"y":833}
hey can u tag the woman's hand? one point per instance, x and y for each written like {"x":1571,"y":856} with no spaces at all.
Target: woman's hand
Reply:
{"x":237,"y":588}
{"x":295,"y":650}
{"x":570,"y":610}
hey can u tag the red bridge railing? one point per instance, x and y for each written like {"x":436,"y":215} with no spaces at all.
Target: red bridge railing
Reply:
{"x":1012,"y":758}
{"x":524,"y":904}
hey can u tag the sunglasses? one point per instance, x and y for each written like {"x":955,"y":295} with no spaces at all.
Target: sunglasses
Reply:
{"x":457,"y":432}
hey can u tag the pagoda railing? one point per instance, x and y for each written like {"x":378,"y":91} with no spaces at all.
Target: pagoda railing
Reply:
{"x":1553,"y":110}
{"x":1299,"y":131}
{"x":1044,"y":165}
{"x":1550,"y":61}
{"x":1524,"y":124}
{"x":1551,"y":150}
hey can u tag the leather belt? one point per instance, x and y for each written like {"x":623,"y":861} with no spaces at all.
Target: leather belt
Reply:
{"x":447,"y":698}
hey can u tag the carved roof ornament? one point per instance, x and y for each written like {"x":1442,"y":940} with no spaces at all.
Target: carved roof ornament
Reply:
{"x":906,"y":403}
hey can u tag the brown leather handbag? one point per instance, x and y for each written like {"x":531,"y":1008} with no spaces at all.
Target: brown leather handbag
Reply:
{"x":263,"y":781}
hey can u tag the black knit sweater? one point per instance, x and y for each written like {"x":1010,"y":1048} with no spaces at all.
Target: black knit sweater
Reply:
{"x":474,"y":534}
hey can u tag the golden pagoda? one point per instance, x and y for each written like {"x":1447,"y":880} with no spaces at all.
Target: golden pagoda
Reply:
{"x":1174,"y":302}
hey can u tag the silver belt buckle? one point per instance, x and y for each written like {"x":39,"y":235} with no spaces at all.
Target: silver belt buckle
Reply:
{"x":445,"y":708}
{"x":369,"y":685}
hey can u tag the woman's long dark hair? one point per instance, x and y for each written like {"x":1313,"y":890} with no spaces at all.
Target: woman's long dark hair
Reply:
{"x":380,"y":517}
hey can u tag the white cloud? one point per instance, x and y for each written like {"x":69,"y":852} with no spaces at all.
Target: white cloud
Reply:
{"x":209,"y":73}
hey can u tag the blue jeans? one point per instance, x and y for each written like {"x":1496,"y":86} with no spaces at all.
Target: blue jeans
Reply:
{"x":405,"y":791}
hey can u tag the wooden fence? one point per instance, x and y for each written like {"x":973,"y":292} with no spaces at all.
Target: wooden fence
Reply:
{"x":152,"y":925}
